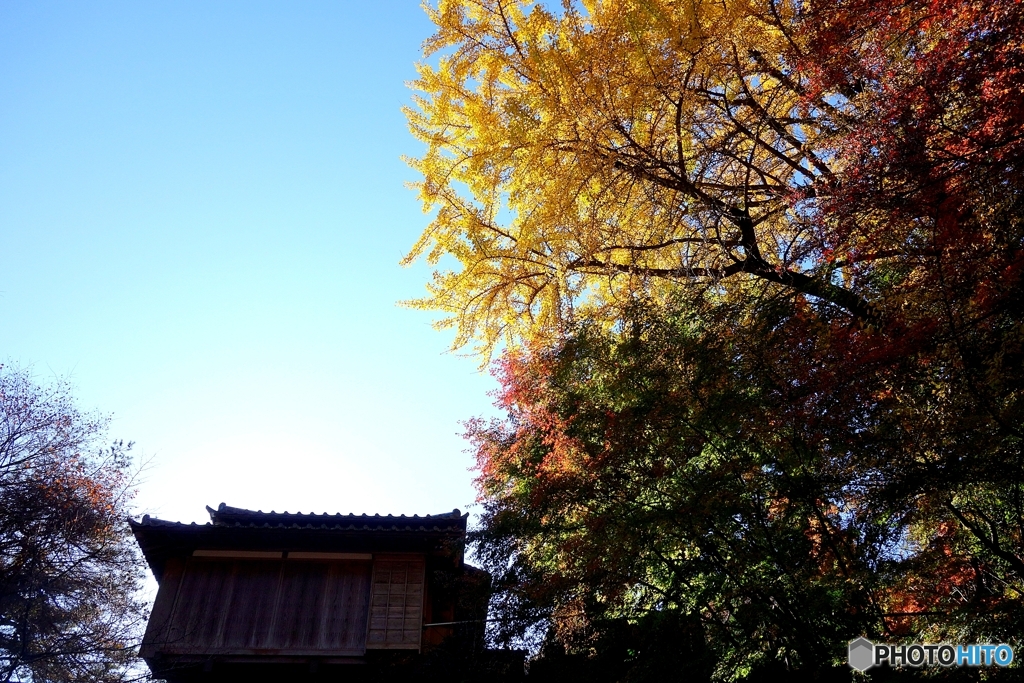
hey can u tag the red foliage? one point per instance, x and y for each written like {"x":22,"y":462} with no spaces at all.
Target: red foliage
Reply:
{"x":933,"y":144}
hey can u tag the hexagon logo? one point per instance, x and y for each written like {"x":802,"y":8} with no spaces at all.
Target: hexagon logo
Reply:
{"x":861,"y":654}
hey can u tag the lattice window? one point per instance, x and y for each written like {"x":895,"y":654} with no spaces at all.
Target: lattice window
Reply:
{"x":396,"y":604}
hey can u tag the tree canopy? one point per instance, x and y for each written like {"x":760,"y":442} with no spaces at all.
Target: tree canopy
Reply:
{"x":583,"y":155}
{"x":781,"y":499}
{"x":69,"y":568}
{"x":757,"y":265}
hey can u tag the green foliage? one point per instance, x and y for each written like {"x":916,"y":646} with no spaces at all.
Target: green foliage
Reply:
{"x":787,"y":485}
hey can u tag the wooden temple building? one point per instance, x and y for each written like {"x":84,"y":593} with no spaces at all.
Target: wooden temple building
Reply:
{"x":255,"y":595}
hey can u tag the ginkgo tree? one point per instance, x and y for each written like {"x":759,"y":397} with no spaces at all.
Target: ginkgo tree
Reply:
{"x":581,"y":155}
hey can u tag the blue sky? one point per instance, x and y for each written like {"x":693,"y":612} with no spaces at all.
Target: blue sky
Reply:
{"x":201,"y":216}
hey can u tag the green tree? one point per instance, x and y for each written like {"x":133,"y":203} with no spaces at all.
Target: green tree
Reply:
{"x":769,"y":494}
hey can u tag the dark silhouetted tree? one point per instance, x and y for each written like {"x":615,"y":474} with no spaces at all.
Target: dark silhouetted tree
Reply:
{"x":69,"y":568}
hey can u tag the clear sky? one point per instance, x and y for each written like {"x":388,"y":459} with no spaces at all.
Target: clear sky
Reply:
{"x":201,"y":216}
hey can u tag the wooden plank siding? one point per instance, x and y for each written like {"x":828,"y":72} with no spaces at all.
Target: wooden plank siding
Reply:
{"x":396,"y":607}
{"x":251,"y":606}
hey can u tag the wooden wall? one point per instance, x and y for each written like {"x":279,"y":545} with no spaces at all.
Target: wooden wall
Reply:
{"x":301,"y":605}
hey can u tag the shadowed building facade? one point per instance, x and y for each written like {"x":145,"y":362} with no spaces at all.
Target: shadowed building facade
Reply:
{"x":253,"y":595}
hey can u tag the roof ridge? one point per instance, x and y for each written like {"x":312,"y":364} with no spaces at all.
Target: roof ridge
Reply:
{"x":226,"y":510}
{"x":225,"y":515}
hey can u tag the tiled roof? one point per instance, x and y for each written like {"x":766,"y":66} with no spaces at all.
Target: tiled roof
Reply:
{"x":238,"y":528}
{"x":153,"y":521}
{"x":227,"y":516}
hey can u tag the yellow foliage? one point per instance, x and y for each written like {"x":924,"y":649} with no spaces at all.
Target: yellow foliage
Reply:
{"x":581,"y":156}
